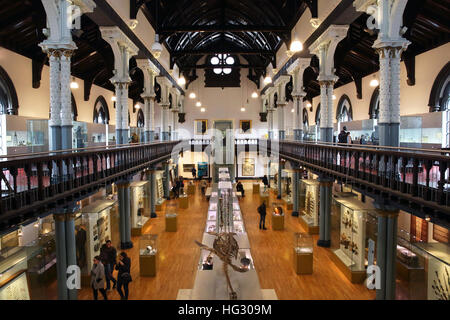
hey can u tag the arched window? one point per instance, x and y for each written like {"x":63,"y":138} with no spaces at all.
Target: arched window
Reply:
{"x":344,"y":112}
{"x":439,"y":95}
{"x":8,"y":96}
{"x":305,"y":121}
{"x":140,"y":119}
{"x":374,"y":107}
{"x":101,"y":111}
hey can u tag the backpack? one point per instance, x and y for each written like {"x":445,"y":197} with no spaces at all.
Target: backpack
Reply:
{"x":342,"y":137}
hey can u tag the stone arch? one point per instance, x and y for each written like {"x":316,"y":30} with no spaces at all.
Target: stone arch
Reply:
{"x":101,"y":109}
{"x":9,"y":104}
{"x":440,"y":87}
{"x":344,"y":108}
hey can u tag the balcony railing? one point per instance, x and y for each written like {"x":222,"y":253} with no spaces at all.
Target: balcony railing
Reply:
{"x":32,"y":183}
{"x":414,"y":178}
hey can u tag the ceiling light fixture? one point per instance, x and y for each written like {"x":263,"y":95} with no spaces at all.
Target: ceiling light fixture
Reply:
{"x":202,"y":110}
{"x":374,"y":82}
{"x":308,"y":105}
{"x":192,"y":95}
{"x":334,"y":97}
{"x":198,"y":104}
{"x":74,"y":84}
{"x":181,"y":81}
{"x":156,"y":49}
{"x":254,"y":95}
{"x":243,"y":109}
{"x":137,"y":106}
{"x":267,"y":80}
{"x":292,"y":110}
{"x":113,"y":99}
{"x":296,"y":45}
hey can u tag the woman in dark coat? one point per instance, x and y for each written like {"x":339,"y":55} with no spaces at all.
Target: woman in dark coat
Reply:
{"x":124,"y":275}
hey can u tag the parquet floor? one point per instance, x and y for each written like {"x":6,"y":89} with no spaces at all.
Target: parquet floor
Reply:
{"x":271,"y":250}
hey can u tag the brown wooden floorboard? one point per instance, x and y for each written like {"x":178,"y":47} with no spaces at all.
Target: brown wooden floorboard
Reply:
{"x":272,"y":252}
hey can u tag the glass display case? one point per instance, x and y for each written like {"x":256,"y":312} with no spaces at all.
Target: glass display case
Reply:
{"x":277,"y":216}
{"x":14,"y":279}
{"x":92,"y":229}
{"x":37,"y":135}
{"x":238,"y":227}
{"x":212,"y":215}
{"x":139,"y":206}
{"x":148,"y":251}
{"x":206,"y":260}
{"x":303,"y":253}
{"x":353,"y":240}
{"x":97,"y":134}
{"x":79,"y":135}
{"x":210,"y":226}
{"x":287,"y":177}
{"x":310,"y":214}
{"x":136,"y":134}
{"x":111,"y":134}
{"x":171,"y":216}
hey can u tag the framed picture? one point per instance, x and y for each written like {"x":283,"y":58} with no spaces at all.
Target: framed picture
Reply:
{"x":200,"y":126}
{"x":245,"y":126}
{"x":188,"y":167}
{"x":248,"y":167}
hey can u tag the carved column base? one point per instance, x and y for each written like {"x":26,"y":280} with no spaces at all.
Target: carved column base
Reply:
{"x":326,"y":134}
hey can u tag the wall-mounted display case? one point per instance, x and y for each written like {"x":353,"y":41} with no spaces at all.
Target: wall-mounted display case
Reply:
{"x":148,"y":253}
{"x":79,"y":134}
{"x":92,"y":229}
{"x":310,"y":214}
{"x":286,"y":184}
{"x":96,"y":134}
{"x":139,"y":206}
{"x":357,"y":228}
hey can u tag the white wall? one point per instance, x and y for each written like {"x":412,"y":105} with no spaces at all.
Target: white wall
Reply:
{"x":36,"y":102}
{"x":223,"y":104}
{"x":413,"y":99}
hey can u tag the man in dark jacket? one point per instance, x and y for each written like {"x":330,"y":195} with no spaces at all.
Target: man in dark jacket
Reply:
{"x":240,"y":188}
{"x":342,"y":137}
{"x":265,"y":181}
{"x":262,"y":216}
{"x":108,"y":255}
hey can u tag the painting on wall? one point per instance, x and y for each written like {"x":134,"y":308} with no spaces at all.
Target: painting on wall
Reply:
{"x":188,"y":167}
{"x":245,"y":126}
{"x":248,"y":167}
{"x":200,"y":126}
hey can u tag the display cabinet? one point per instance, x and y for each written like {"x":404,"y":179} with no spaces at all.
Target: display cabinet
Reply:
{"x":238,"y":227}
{"x":277,"y":216}
{"x":212,"y":215}
{"x":14,"y":284}
{"x":37,"y":135}
{"x":356,"y":224}
{"x":210,"y":226}
{"x":171,"y":217}
{"x":97,"y":134}
{"x":310,"y":215}
{"x":92,"y":229}
{"x":237,"y":215}
{"x":148,"y":254}
{"x":139,"y":206}
{"x":111,"y":134}
{"x":287,"y":178}
{"x":79,"y":134}
{"x":303,"y":253}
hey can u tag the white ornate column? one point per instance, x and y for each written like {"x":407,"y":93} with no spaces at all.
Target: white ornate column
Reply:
{"x":297,"y":69}
{"x":165,"y":89}
{"x":324,"y":48}
{"x":150,"y":71}
{"x":66,"y":100}
{"x":55,"y":100}
{"x":390,"y":44}
{"x":270,"y":109}
{"x":123,"y":49}
{"x":280,"y":83}
{"x":175,"y":109}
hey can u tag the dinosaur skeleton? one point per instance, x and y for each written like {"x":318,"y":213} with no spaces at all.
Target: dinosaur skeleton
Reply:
{"x":225,"y":247}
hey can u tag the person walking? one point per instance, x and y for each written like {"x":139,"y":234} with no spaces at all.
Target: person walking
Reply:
{"x":342,"y":137}
{"x":98,"y":278}
{"x":124,"y":276}
{"x":203,"y":186}
{"x":265,"y":181}
{"x":108,"y":255}
{"x":262,"y":215}
{"x":194,"y":173}
{"x":240,"y":188}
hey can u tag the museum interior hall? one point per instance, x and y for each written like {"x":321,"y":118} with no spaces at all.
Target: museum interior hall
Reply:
{"x":225,"y":150}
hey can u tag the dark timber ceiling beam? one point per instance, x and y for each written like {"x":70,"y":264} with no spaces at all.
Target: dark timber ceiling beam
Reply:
{"x":218,"y":50}
{"x":223,"y":28}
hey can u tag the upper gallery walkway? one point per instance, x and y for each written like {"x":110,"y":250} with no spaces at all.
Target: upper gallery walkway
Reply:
{"x":415,"y":180}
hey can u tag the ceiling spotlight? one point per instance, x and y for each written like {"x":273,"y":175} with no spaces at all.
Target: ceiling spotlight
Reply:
{"x":156,"y":49}
{"x":309,"y":105}
{"x":374,"y":82}
{"x":243,"y":109}
{"x":292,"y":110}
{"x":74,"y":84}
{"x":202,"y":110}
{"x":296,"y":46}
{"x":192,"y":95}
{"x":137,"y":106}
{"x":113,"y":99}
{"x":334,"y":97}
{"x":198,"y":104}
{"x":427,"y":218}
{"x":181,"y":81}
{"x":267,"y":80}
{"x":254,"y":95}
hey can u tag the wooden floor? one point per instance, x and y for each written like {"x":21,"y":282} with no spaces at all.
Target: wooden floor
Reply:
{"x":272,"y":252}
